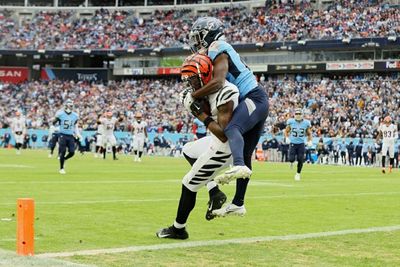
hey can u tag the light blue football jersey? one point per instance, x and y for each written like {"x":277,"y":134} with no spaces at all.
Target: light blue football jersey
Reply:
{"x":67,"y":121}
{"x":238,"y":74}
{"x":298,"y":130}
{"x":201,"y":128}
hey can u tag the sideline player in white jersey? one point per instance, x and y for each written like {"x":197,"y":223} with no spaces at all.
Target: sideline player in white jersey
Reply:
{"x":388,"y":132}
{"x":18,"y":129}
{"x":207,"y":155}
{"x":108,"y":122}
{"x":99,"y":138}
{"x":139,"y":136}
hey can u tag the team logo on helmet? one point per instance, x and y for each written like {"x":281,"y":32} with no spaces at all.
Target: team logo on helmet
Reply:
{"x":197,"y":70}
{"x":203,"y":32}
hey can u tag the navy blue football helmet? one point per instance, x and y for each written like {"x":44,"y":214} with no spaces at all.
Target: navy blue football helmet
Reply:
{"x":205,"y":31}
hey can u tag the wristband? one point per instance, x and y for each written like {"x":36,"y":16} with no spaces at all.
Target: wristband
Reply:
{"x":207,"y":121}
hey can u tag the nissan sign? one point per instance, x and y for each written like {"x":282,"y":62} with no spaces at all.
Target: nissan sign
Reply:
{"x":13,"y":74}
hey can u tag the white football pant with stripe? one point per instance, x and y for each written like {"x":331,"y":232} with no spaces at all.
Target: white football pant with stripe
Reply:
{"x":212,"y":157}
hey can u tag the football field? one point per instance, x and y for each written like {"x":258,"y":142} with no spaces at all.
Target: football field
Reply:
{"x":106,"y":213}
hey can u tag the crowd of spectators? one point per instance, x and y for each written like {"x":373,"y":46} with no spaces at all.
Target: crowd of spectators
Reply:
{"x":336,"y":107}
{"x":343,"y":107}
{"x":158,"y":100}
{"x":122,"y":29}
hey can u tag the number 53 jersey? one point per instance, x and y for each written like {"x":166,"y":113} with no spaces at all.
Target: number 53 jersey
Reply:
{"x":67,"y":121}
{"x":298,"y":130}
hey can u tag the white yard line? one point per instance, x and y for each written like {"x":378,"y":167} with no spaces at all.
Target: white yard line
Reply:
{"x":191,"y":244}
{"x":15,"y":166}
{"x":328,"y":195}
{"x":77,"y":202}
{"x":268,"y":183}
{"x":8,"y":258}
{"x":93,"y":182}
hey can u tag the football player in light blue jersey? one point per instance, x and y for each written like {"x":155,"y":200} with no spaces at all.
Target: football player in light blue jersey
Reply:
{"x":67,"y":119}
{"x":201,"y":130}
{"x":247,"y":124}
{"x":296,"y":130}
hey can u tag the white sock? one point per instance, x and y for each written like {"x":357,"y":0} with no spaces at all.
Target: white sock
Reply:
{"x":179,"y":226}
{"x":211,"y":185}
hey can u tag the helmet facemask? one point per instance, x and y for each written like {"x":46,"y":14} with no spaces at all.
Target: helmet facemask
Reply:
{"x":298,"y":115}
{"x":196,"y":40}
{"x":193,"y":82}
{"x":68,"y":107}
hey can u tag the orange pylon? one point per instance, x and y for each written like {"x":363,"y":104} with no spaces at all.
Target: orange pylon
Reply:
{"x":25,"y":231}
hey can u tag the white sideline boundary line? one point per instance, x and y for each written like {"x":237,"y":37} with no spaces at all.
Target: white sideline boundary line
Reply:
{"x":192,"y":244}
{"x":78,"y":202}
{"x":255,"y":182}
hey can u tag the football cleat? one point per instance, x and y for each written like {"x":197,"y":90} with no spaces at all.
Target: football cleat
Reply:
{"x":235,"y":172}
{"x":297,"y":177}
{"x":383,"y":170}
{"x":62,"y":171}
{"x":215,"y":203}
{"x":139,"y":160}
{"x":173,"y":233}
{"x":230,"y":209}
{"x":50,"y":155}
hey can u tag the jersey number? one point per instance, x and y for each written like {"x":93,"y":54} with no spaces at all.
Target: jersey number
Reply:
{"x":297,"y":132}
{"x":388,"y":134}
{"x":67,"y":125}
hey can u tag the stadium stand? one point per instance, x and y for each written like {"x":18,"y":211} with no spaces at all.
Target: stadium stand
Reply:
{"x":356,"y":104}
{"x":120,"y":29}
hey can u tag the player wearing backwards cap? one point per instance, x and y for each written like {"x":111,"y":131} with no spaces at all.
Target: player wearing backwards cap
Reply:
{"x":67,"y":120}
{"x":388,"y":133}
{"x":108,"y":125}
{"x":18,"y":128}
{"x":297,"y":129}
{"x":139,"y":136}
{"x":207,"y":155}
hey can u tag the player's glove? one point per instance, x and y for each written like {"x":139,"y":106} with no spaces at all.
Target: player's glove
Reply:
{"x":196,"y":108}
{"x":185,"y":92}
{"x":188,"y":101}
{"x":78,"y":137}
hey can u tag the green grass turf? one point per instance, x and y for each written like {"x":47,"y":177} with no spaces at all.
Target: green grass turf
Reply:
{"x":108,"y":204}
